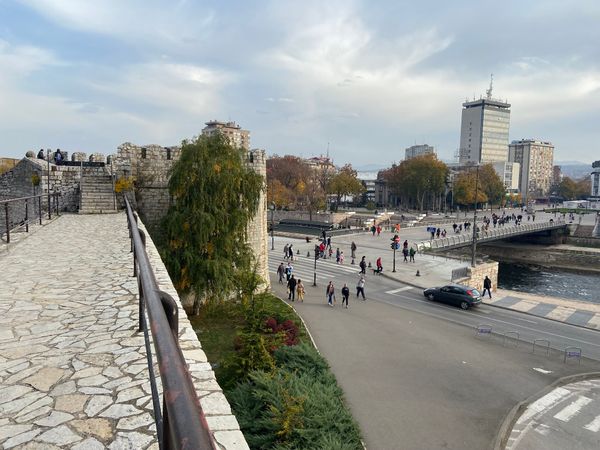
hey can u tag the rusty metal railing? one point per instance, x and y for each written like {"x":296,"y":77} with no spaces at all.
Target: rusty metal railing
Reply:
{"x":17,"y":211}
{"x":181,"y":423}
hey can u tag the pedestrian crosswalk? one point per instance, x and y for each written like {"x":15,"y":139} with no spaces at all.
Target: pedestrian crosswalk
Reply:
{"x":571,"y":410}
{"x":304,"y":267}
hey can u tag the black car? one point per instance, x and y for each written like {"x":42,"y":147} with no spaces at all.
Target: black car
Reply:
{"x":454,"y":294}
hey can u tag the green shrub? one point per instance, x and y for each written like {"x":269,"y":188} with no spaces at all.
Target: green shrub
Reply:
{"x":299,"y":406}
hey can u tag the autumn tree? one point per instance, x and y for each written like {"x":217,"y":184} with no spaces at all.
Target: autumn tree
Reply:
{"x":345,"y":182}
{"x":419,"y":182}
{"x":490,"y":187}
{"x":286,"y":180}
{"x":571,"y":189}
{"x":215,"y":195}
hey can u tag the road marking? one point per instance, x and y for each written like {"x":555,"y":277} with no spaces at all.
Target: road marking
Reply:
{"x":526,"y":320}
{"x":573,"y":409}
{"x":405,"y":288}
{"x":594,"y":425}
{"x":545,"y":372}
{"x":541,"y":404}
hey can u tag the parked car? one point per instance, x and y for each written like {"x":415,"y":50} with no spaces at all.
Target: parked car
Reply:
{"x":454,"y":294}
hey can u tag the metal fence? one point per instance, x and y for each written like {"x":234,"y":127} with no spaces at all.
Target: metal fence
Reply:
{"x":21,"y":212}
{"x":181,"y":423}
{"x":466,"y":237}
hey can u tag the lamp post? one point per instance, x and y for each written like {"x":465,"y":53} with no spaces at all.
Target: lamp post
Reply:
{"x":272,"y":208}
{"x":48,"y":183}
{"x":315,"y":268}
{"x":394,"y":266}
{"x":474,"y":246}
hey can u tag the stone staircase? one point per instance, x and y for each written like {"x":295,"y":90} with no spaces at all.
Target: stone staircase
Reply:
{"x":97,"y":196}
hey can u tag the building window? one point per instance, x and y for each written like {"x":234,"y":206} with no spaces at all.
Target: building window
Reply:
{"x":143,"y":152}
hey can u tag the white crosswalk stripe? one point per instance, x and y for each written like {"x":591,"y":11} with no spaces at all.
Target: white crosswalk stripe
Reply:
{"x":594,"y":425}
{"x":395,"y":291}
{"x":568,"y":412}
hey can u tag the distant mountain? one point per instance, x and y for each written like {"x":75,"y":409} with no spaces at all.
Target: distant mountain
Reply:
{"x":574,"y":169}
{"x":570,"y":163}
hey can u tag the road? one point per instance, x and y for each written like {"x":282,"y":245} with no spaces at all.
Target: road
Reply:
{"x":414,"y":373}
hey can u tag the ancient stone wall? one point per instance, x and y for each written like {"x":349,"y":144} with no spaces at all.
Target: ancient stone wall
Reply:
{"x":476,"y":275}
{"x":257,"y":229}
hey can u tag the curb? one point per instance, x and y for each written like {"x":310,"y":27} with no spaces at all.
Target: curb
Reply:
{"x":510,"y":419}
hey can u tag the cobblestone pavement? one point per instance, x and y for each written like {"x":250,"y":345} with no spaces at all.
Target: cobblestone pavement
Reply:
{"x":73,"y":371}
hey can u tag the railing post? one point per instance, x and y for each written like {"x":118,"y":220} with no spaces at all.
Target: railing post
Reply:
{"x":7,"y":224}
{"x":27,"y":215}
{"x":40,"y":207}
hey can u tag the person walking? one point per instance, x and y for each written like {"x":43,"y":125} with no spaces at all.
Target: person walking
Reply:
{"x":405,"y":254}
{"x":330,"y":294}
{"x":363,"y":266}
{"x":341,"y":257}
{"x":291,"y":252}
{"x":291,"y":284}
{"x":285,"y":251}
{"x":288,"y":271}
{"x":360,"y":288}
{"x":353,"y":251}
{"x":379,"y":265}
{"x":281,"y":273}
{"x":345,"y":295}
{"x":411,"y":254}
{"x":300,"y":290}
{"x":58,"y":157}
{"x":337,"y":255}
{"x":487,"y":286}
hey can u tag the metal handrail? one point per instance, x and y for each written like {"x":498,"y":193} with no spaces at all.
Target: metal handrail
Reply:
{"x":26,"y":220}
{"x":182,"y":424}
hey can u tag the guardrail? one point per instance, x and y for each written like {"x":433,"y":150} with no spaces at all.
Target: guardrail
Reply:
{"x":182,"y":423}
{"x":466,"y":237}
{"x":17,"y":211}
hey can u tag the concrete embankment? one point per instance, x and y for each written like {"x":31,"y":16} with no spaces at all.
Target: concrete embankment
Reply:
{"x":557,"y":256}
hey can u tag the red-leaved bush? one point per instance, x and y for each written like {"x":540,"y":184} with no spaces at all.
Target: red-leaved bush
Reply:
{"x":288,"y":327}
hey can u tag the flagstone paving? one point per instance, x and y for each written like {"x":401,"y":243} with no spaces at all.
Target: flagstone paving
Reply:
{"x":73,"y":370}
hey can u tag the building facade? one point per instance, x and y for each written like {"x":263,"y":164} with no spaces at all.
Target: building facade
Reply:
{"x":596,"y":179}
{"x":484,"y":131}
{"x":418,"y":150}
{"x":509,"y":174}
{"x":536,"y":159}
{"x":231,"y":130}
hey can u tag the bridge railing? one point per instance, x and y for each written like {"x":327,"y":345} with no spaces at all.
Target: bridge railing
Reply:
{"x":487,"y":235}
{"x":22,"y":211}
{"x":181,"y":424}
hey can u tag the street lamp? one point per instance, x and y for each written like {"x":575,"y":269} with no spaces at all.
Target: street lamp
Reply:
{"x":474,"y":246}
{"x":272,"y":208}
{"x":48,"y":183}
{"x":315,"y":269}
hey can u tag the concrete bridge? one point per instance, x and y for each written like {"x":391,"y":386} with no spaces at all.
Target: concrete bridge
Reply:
{"x":545,"y":229}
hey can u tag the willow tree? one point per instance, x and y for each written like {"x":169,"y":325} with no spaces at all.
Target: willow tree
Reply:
{"x":215,"y":195}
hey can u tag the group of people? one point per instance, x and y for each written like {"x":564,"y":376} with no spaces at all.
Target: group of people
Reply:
{"x":295,"y":286}
{"x":330,"y":292}
{"x":58,"y":156}
{"x":288,"y":252}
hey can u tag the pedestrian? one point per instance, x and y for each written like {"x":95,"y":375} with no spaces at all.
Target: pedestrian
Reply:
{"x":322,"y":250}
{"x":363,"y":266}
{"x":329,"y":242}
{"x":411,"y":254}
{"x":360,"y":287}
{"x":291,"y":252}
{"x":288,"y":271}
{"x":487,"y":286}
{"x":373,"y":229}
{"x":353,"y":251}
{"x":337,"y":255}
{"x":300,"y":290}
{"x":378,"y":230}
{"x":345,"y":295}
{"x":285,"y":251}
{"x":405,"y":244}
{"x":330,"y":294}
{"x":40,"y":154}
{"x":291,"y":284}
{"x":58,"y":157}
{"x":330,"y":252}
{"x":437,"y":232}
{"x":281,"y":273}
{"x":341,"y":257}
{"x":405,"y":254}
{"x":379,"y":265}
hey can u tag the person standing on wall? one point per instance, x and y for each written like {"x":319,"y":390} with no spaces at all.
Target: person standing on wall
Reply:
{"x":487,"y":286}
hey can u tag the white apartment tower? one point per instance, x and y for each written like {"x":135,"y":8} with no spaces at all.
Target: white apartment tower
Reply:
{"x":484,"y":130}
{"x":231,"y":130}
{"x":418,"y":150}
{"x":537,"y":166}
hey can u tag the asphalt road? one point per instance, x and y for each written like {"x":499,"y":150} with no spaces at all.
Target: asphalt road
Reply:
{"x":415,"y":374}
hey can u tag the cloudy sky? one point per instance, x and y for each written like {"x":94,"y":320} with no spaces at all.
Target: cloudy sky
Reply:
{"x":366,"y":78}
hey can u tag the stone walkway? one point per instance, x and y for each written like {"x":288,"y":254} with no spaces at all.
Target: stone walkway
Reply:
{"x":73,"y":371}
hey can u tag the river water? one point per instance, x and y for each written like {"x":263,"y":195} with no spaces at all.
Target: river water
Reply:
{"x":574,"y":285}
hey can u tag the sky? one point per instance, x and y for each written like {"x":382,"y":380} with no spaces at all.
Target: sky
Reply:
{"x":364,"y":79}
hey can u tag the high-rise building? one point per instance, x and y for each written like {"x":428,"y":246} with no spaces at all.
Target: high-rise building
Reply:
{"x":231,"y":130}
{"x":418,"y":150}
{"x":508,"y":173}
{"x":596,"y":179}
{"x":484,"y":130}
{"x":537,"y":161}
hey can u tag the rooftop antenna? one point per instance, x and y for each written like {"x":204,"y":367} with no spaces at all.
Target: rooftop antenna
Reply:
{"x":488,"y":93}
